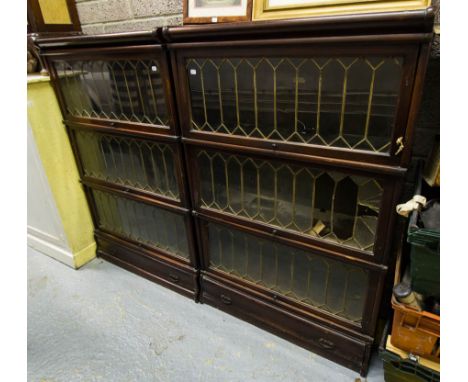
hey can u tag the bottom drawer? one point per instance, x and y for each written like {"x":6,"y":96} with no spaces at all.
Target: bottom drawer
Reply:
{"x":343,"y":349}
{"x":178,"y":277}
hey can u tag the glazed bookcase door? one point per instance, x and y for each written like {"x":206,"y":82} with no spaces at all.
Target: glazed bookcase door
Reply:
{"x":132,"y":163}
{"x":348,"y":103}
{"x":337,"y":290}
{"x":119,"y":87}
{"x":344,"y":212}
{"x":159,"y":228}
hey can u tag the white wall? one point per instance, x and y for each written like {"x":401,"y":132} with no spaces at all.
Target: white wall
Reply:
{"x":45,"y":230}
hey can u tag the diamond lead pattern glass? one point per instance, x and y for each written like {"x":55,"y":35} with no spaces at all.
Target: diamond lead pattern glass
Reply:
{"x":346,"y":102}
{"x":330,"y":205}
{"x":138,"y":163}
{"x":142,"y":222}
{"x":333,"y":286}
{"x":126,"y":90}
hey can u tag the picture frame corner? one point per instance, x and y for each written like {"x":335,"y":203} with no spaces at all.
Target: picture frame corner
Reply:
{"x":218,"y":17}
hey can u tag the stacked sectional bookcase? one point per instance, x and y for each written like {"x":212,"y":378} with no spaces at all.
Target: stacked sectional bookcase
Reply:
{"x":252,"y":166}
{"x":117,"y":102}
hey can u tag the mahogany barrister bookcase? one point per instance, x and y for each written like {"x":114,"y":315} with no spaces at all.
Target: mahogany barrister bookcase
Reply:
{"x":116,"y":97}
{"x":255,"y":166}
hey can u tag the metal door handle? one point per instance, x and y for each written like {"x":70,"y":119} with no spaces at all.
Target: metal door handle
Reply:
{"x":326,"y":344}
{"x":225,"y":299}
{"x":400,"y":144}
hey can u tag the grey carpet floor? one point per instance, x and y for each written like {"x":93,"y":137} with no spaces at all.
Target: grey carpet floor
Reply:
{"x":102,"y":323}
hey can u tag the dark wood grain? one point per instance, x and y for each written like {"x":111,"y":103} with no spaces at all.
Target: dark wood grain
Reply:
{"x":162,"y":270}
{"x":102,"y":40}
{"x":347,"y":350}
{"x":359,"y":24}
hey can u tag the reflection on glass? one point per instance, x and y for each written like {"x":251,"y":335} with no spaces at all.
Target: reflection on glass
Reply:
{"x":333,"y":286}
{"x":142,"y":222}
{"x":330,"y":205}
{"x":347,"y":102}
{"x":143,"y":164}
{"x":126,"y":90}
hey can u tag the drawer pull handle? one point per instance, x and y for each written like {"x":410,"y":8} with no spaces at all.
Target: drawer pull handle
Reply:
{"x":225,"y":299}
{"x":174,"y":278}
{"x":326,"y":344}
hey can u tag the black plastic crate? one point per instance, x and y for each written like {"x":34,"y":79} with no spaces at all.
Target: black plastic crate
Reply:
{"x":424,"y":247}
{"x":397,"y":369}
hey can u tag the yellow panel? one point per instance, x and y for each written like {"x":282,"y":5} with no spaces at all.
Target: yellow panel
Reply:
{"x":85,"y":255}
{"x":61,"y":170}
{"x":263,"y":11}
{"x":55,"y":11}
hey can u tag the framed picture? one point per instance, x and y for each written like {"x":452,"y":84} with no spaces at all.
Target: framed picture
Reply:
{"x":216,"y":11}
{"x":286,"y":9}
{"x":53,"y":16}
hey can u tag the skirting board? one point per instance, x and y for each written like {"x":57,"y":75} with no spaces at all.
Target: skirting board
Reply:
{"x":64,"y":256}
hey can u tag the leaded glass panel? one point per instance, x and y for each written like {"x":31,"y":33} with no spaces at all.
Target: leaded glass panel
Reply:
{"x":347,"y":102}
{"x":330,"y":285}
{"x":126,"y":90}
{"x":142,"y":222}
{"x":139,"y":163}
{"x":328,"y":205}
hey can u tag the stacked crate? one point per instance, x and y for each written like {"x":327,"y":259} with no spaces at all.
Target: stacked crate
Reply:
{"x":412,"y":351}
